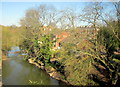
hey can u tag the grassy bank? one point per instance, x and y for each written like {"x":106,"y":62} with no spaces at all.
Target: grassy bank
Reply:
{"x":11,"y":36}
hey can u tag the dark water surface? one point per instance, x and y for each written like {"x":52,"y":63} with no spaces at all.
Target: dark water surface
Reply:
{"x":17,"y":71}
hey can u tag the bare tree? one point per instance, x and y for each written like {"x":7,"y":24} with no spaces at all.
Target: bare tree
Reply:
{"x":117,"y":7}
{"x":31,"y":19}
{"x":68,"y":18}
{"x":72,"y":16}
{"x":63,"y":21}
{"x":52,"y":16}
{"x":91,"y":13}
{"x":42,"y":10}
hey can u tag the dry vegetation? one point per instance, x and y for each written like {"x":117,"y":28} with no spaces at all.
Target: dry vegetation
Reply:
{"x":82,"y":56}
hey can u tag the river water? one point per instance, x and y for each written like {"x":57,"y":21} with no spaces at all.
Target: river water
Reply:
{"x":17,"y":71}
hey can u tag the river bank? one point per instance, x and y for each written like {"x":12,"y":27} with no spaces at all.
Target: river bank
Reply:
{"x":24,"y":73}
{"x":4,"y":57}
{"x":52,"y":72}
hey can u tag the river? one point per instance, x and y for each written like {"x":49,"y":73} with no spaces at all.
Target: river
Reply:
{"x":17,"y":71}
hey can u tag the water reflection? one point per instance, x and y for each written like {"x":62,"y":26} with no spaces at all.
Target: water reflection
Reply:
{"x":17,"y":71}
{"x":13,"y":50}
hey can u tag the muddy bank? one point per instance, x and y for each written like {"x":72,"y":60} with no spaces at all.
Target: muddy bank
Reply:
{"x":4,"y":57}
{"x":50,"y":70}
{"x":25,"y":73}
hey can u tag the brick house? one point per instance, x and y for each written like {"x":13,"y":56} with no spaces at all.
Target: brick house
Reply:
{"x":59,"y":37}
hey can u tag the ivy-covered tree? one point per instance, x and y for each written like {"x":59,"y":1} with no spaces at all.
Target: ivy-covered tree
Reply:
{"x":46,"y":44}
{"x":107,"y":62}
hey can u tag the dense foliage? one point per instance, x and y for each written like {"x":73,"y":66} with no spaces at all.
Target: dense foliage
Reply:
{"x":107,"y":62}
{"x":86,"y":56}
{"x":11,"y":36}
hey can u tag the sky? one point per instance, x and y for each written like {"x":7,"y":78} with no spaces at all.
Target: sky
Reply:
{"x":12,"y":12}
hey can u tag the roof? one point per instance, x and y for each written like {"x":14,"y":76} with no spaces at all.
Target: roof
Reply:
{"x":62,"y":36}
